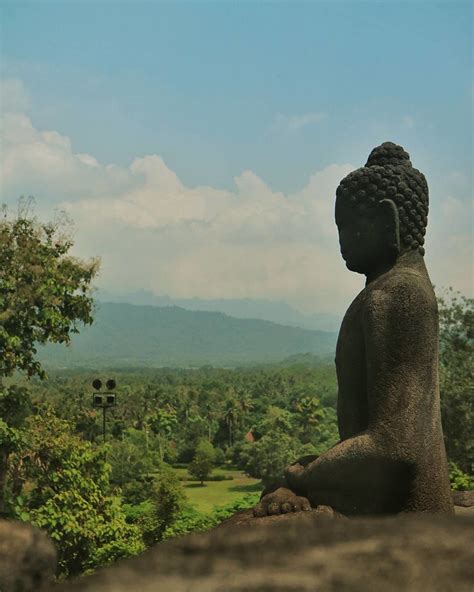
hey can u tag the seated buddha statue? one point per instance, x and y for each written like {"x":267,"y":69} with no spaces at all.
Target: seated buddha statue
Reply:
{"x":391,"y":456}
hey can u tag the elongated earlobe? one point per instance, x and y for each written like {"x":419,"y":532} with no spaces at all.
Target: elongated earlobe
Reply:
{"x":392,"y":225}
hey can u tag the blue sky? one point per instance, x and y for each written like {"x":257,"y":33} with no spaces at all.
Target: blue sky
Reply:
{"x":284,"y":91}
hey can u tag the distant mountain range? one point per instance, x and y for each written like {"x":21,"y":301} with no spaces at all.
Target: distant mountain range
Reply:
{"x":242,"y":308}
{"x":128,"y":335}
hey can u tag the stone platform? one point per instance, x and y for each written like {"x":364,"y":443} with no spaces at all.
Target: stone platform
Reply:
{"x":304,"y":552}
{"x":309,"y":551}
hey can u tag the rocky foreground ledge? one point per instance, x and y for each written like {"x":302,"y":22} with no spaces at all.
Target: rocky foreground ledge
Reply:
{"x":27,"y":558}
{"x":310,"y":551}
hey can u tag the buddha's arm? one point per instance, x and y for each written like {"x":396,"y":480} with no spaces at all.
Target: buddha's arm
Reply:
{"x":400,"y":334}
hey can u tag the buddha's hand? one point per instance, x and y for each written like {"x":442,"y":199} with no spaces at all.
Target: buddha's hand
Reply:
{"x":296,"y":474}
{"x":281,"y":501}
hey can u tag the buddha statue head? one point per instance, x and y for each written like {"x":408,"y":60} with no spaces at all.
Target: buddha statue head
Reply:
{"x":381,"y":210}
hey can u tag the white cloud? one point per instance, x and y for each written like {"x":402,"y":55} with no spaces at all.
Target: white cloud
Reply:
{"x":450,"y":240}
{"x":42,"y":163}
{"x":202,"y":241}
{"x":154,"y":232}
{"x":294,"y":123}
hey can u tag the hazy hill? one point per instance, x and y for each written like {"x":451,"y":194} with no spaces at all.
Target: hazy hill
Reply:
{"x":129,"y":335}
{"x":243,"y":308}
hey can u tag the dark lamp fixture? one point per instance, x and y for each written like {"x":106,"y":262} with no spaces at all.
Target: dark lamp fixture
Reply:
{"x":104,"y":401}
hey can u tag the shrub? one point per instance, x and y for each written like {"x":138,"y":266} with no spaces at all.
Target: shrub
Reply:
{"x":460,"y":481}
{"x":165,"y":506}
{"x":68,"y":497}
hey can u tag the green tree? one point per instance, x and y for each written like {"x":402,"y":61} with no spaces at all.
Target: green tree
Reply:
{"x":456,"y":315}
{"x":44,"y":292}
{"x":133,"y":461}
{"x":162,"y":423}
{"x":44,"y":295}
{"x":194,"y":430}
{"x":267,"y":458}
{"x":68,"y":497}
{"x":276,"y":420}
{"x":168,"y":501}
{"x":230,"y":418}
{"x":309,"y":413}
{"x":210,"y":415}
{"x":326,"y":432}
{"x":129,"y":458}
{"x":203,"y":462}
{"x":15,"y":406}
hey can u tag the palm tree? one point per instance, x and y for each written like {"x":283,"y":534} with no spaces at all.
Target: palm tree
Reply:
{"x":310,"y":412}
{"x":229,"y":418}
{"x":162,"y":424}
{"x":246,"y":404}
{"x":210,"y":415}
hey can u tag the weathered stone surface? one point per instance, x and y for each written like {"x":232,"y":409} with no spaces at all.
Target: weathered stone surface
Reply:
{"x":27,"y":558}
{"x":464,"y":503}
{"x":248,"y":517}
{"x":463,"y":498}
{"x":303,"y":552}
{"x":463,"y":511}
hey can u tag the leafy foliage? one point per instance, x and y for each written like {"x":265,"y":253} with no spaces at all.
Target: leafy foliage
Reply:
{"x":162,"y":423}
{"x":130,"y":457}
{"x":69,"y":497}
{"x":166,"y":504}
{"x":15,"y":406}
{"x":44,"y":292}
{"x":267,"y":458}
{"x":203,"y":461}
{"x":457,"y":377}
{"x":460,"y":481}
{"x":189,"y":520}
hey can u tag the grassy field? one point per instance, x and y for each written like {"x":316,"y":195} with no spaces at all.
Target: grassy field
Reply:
{"x":218,"y":493}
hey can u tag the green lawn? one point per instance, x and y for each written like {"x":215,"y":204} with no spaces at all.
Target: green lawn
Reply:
{"x":218,"y":493}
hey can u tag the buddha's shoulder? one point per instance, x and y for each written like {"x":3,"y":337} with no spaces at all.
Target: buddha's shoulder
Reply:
{"x":401,"y":288}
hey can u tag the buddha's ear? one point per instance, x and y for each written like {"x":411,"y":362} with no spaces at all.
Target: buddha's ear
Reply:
{"x":389,"y":214}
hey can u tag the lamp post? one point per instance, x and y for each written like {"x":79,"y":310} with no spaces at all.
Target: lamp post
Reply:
{"x":105,"y":400}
